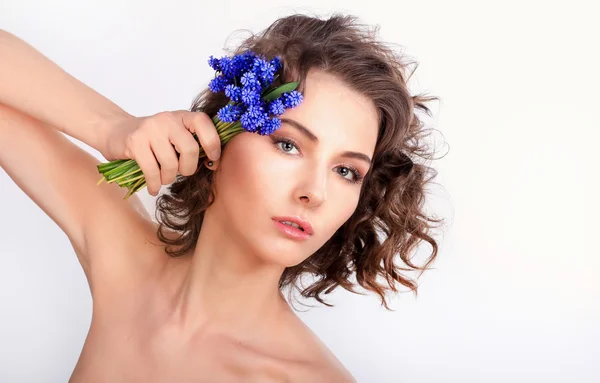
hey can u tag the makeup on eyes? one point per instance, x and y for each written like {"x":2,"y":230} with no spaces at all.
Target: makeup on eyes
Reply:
{"x":313,"y":138}
{"x":358,"y":177}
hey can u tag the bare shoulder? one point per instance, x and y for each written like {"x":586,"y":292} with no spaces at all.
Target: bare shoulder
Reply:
{"x":325,"y":367}
{"x":321,"y":364}
{"x":325,"y":373}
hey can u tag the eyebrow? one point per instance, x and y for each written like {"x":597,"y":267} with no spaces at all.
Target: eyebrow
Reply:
{"x":311,"y":136}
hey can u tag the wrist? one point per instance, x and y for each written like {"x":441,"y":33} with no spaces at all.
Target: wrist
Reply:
{"x":107,"y":129}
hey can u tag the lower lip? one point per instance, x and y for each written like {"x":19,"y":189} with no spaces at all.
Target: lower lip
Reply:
{"x":291,"y":231}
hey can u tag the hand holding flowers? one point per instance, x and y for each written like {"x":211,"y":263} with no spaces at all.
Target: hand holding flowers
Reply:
{"x":162,"y":145}
{"x":246,"y":79}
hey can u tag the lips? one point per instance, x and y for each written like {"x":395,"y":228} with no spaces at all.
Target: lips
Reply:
{"x":305,"y":225}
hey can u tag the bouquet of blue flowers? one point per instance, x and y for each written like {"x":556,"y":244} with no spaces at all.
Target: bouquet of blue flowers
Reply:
{"x":254,"y":104}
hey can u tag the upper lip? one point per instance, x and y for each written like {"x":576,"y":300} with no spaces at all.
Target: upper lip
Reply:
{"x":305,"y":225}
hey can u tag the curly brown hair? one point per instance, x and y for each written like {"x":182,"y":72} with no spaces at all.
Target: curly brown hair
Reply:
{"x":393,"y":191}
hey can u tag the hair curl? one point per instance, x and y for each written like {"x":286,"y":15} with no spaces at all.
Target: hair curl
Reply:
{"x":393,"y":191}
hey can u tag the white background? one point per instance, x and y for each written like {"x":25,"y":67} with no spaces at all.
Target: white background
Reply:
{"x":514,"y":295}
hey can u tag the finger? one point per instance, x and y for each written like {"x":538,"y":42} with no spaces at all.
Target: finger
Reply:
{"x":188,"y":149}
{"x":166,"y":157}
{"x":201,"y":124}
{"x":149,"y":166}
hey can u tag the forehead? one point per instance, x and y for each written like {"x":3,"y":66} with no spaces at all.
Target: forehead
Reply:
{"x":336,"y":113}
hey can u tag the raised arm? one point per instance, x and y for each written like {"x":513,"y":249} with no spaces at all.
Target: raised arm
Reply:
{"x":32,"y":83}
{"x":38,"y":101}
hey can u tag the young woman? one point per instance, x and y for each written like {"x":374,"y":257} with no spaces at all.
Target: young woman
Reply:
{"x":334,"y":193}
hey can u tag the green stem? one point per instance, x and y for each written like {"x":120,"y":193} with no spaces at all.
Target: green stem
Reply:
{"x":122,"y":171}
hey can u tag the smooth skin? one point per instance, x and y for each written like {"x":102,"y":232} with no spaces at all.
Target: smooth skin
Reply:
{"x":216,"y":313}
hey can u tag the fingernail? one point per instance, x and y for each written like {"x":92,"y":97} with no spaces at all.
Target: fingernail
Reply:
{"x":215,"y":154}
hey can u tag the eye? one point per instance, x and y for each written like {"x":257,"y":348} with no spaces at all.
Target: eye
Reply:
{"x":357,"y":176}
{"x":289,"y":144}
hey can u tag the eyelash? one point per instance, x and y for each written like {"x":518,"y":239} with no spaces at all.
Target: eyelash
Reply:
{"x":357,"y":174}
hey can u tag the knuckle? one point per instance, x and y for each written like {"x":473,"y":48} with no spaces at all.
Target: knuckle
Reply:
{"x":169,"y":167}
{"x":202,"y":117}
{"x":152,"y":125}
{"x":191,"y":148}
{"x":141,"y":136}
{"x":164,"y":115}
{"x":204,"y":122}
{"x":147,"y":168}
{"x":206,"y":131}
{"x":151,"y":174}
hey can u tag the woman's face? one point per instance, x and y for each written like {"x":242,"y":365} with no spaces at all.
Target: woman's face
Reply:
{"x":260,"y":177}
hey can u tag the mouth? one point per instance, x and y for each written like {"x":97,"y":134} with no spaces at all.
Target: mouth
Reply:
{"x":297,"y":223}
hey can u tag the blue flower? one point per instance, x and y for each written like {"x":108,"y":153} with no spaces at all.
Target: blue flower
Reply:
{"x":224,"y":64}
{"x":254,"y":118}
{"x":276,"y":62}
{"x":265,"y":70}
{"x":230,"y":112}
{"x":250,"y":96}
{"x":217,"y":84}
{"x":214,"y":63}
{"x":233,"y":92}
{"x":250,"y":80}
{"x":229,"y":67}
{"x":243,"y":78}
{"x":292,"y":99}
{"x":270,"y":126}
{"x":276,"y":107}
{"x":243,"y":62}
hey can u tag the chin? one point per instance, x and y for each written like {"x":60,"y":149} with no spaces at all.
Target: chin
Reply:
{"x":282,"y":257}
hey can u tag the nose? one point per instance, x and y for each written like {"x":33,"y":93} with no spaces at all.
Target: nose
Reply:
{"x":312,"y":192}
{"x":312,"y":199}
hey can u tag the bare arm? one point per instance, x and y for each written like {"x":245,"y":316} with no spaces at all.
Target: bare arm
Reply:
{"x":33,"y":84}
{"x":39,"y":104}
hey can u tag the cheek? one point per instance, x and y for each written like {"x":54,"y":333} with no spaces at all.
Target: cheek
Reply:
{"x":248,"y":179}
{"x":339,"y":207}
{"x":253,"y":167}
{"x":341,"y":210}
{"x":239,"y":170}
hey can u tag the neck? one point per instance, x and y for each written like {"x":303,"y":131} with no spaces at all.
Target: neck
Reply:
{"x":227,"y":288}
